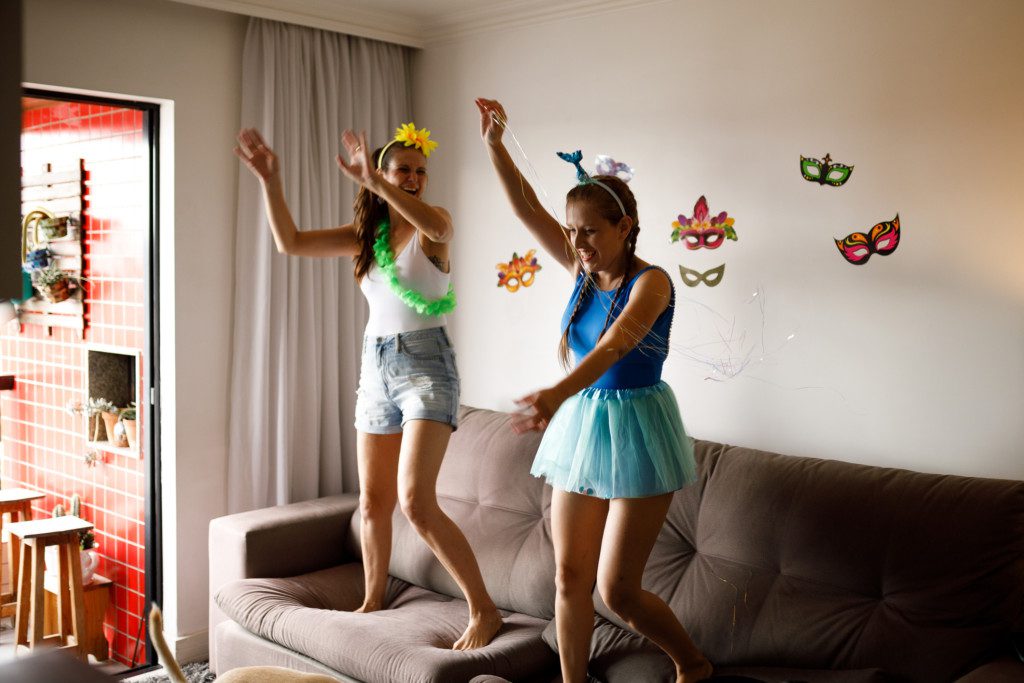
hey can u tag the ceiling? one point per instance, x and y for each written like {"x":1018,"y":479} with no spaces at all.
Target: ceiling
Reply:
{"x":417,"y":23}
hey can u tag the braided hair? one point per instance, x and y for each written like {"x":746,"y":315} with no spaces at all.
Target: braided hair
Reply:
{"x":599,"y":199}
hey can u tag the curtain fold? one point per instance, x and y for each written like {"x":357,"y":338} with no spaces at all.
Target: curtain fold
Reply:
{"x":298,"y":322}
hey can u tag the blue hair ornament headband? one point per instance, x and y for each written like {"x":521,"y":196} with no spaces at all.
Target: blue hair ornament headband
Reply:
{"x":575,"y":158}
{"x":584,"y":178}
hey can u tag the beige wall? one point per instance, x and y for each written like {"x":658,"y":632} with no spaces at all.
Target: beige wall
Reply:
{"x":917,"y":358}
{"x":190,"y":58}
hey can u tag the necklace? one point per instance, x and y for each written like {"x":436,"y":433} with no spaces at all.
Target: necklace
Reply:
{"x":414,"y":299}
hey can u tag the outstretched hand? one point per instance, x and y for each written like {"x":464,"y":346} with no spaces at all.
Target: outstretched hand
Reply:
{"x":360,"y":167}
{"x":537,"y":410}
{"x":252,"y":149}
{"x":492,"y":120}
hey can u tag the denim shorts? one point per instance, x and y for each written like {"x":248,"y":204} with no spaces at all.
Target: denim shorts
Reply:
{"x":407,"y":376}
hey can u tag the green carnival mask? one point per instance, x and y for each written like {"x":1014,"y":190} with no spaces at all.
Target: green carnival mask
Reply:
{"x":824,"y":172}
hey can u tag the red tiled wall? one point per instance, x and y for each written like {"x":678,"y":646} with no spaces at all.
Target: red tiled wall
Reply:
{"x":43,"y":445}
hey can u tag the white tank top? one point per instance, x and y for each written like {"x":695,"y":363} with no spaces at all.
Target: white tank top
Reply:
{"x":388,"y":313}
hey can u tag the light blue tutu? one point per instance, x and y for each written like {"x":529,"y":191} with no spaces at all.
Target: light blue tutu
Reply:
{"x":617,"y":443}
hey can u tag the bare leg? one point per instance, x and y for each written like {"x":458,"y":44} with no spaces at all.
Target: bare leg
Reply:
{"x":423,"y":445}
{"x":633,"y":526}
{"x":577,"y":522}
{"x":378,"y":494}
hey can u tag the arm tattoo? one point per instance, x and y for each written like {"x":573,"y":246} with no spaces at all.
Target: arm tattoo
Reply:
{"x":441,"y":265}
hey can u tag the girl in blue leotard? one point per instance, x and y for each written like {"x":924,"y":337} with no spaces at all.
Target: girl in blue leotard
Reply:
{"x":614,"y":448}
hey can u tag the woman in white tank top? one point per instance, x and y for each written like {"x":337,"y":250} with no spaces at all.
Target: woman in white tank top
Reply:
{"x":408,"y":387}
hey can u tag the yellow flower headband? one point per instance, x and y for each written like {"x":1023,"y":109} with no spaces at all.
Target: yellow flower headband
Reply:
{"x":410,"y":136}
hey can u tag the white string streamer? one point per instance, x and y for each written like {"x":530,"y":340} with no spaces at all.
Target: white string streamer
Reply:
{"x":719,"y":345}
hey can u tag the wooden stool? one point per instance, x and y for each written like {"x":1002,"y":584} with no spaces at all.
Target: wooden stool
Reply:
{"x":97,"y":599}
{"x":63,"y":532}
{"x":13,"y":502}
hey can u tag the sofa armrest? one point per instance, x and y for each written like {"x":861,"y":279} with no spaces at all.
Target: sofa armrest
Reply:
{"x":280,"y":541}
{"x":1007,"y":669}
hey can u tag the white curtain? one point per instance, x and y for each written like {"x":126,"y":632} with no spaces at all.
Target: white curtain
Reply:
{"x":298,"y":322}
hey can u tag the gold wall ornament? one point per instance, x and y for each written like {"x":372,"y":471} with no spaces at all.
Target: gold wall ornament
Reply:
{"x":30,"y":230}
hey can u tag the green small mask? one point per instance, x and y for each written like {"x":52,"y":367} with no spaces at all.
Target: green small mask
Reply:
{"x":824,"y":172}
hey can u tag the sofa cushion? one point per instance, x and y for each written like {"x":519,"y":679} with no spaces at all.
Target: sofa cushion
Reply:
{"x":410,"y":641}
{"x":1006,"y":669}
{"x":786,"y":675}
{"x":486,"y":488}
{"x":784,"y":561}
{"x":239,"y":648}
{"x":618,"y":655}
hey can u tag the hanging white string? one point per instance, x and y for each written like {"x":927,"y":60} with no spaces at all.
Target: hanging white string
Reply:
{"x":725,"y":352}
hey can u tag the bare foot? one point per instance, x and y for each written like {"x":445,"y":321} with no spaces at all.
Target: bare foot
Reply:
{"x":368,"y":607}
{"x":481,"y":630}
{"x":698,"y":670}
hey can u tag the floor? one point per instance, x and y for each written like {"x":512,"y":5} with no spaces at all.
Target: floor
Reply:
{"x":110,"y":666}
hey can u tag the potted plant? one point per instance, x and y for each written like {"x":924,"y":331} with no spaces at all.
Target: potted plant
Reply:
{"x":128,"y":417}
{"x":93,"y":409}
{"x":110,"y":417}
{"x":52,"y":282}
{"x":86,"y":540}
{"x":52,"y":228}
{"x":35,"y":259}
{"x":97,"y":408}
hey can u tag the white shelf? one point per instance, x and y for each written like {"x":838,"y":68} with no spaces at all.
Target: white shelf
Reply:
{"x":107,"y":448}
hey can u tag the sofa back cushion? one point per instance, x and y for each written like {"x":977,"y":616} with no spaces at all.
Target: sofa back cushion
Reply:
{"x":779,"y":560}
{"x":486,"y":488}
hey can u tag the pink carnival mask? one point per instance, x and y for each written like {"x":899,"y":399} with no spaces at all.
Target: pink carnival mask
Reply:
{"x":883,"y":239}
{"x":709,"y":238}
{"x":702,"y":230}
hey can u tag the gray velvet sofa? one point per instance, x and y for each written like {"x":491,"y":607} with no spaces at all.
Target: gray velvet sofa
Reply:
{"x":782,"y":568}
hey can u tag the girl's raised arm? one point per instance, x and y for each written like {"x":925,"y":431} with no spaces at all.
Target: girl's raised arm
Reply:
{"x":252,"y":149}
{"x":434,"y":222}
{"x":520,"y":194}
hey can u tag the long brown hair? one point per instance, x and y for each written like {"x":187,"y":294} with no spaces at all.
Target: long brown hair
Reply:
{"x":601,"y":201}
{"x":369,"y":210}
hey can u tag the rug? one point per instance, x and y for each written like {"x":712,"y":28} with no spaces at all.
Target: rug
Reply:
{"x":196,"y":672}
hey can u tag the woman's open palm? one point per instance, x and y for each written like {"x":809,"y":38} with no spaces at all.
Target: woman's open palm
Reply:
{"x":359,"y":166}
{"x":252,"y":149}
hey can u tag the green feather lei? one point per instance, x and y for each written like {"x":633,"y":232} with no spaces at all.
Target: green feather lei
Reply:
{"x":385,"y":258}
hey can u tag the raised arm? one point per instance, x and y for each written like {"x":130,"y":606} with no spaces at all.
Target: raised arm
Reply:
{"x":520,"y":194}
{"x":650,"y":297}
{"x":433,"y":222}
{"x":261,"y":160}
